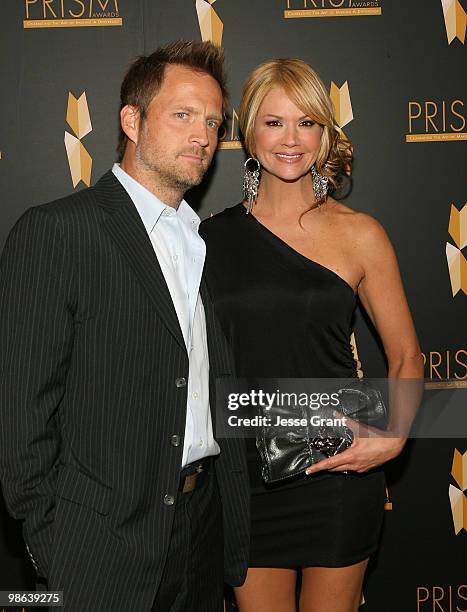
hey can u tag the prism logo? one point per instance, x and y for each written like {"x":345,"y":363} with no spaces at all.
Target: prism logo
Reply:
{"x":71,"y":13}
{"x":300,"y":9}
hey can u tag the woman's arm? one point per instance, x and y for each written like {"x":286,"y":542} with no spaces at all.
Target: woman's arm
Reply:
{"x":382,"y":295}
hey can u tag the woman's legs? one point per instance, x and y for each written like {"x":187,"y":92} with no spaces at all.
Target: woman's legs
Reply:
{"x":267,"y":589}
{"x":332,"y":589}
{"x":324,"y":589}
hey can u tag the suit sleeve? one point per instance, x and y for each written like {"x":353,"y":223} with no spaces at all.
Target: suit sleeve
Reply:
{"x":36,"y":340}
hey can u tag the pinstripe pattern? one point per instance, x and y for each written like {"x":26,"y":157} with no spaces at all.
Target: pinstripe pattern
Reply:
{"x":90,"y":351}
{"x":192,"y":578}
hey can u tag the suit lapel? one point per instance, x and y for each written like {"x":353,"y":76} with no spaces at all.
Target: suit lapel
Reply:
{"x":126,"y":229}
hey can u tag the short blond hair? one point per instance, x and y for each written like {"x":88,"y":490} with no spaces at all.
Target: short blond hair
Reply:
{"x":306,"y":90}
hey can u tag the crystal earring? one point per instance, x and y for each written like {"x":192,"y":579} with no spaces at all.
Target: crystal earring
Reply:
{"x":251,"y":183}
{"x":320,"y":185}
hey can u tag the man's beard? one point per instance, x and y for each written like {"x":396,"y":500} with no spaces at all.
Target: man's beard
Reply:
{"x":169,"y":173}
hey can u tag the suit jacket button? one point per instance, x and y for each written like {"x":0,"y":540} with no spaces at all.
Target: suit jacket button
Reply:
{"x":175,"y":440}
{"x":169,"y":500}
{"x":180,"y":382}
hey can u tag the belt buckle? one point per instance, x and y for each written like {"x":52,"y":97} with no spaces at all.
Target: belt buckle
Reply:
{"x":190,"y":483}
{"x":190,"y":480}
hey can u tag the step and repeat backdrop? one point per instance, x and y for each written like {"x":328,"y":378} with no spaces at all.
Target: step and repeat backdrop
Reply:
{"x":396,"y":71}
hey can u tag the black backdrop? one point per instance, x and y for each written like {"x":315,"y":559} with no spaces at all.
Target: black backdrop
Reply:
{"x":407,"y":86}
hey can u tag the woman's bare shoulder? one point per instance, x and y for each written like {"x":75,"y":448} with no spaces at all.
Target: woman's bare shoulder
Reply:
{"x":356,"y":225}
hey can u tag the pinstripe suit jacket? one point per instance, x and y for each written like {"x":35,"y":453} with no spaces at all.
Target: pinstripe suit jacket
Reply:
{"x":91,"y":350}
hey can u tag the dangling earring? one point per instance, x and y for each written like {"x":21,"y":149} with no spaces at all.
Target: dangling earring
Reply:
{"x":251,"y":183}
{"x":320,"y":185}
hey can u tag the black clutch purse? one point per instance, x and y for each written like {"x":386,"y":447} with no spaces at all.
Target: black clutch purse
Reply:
{"x":308,"y":436}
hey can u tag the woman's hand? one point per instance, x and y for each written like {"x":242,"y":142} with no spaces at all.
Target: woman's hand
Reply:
{"x":363,"y":455}
{"x":370,"y":448}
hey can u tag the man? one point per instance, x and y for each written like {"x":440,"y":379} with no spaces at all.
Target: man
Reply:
{"x":107,"y":391}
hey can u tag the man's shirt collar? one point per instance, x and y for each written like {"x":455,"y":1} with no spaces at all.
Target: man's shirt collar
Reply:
{"x":149,"y":207}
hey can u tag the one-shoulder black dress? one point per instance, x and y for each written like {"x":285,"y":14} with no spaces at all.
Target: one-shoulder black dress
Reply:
{"x":287,"y":316}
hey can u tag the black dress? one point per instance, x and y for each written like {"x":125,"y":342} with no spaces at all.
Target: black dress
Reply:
{"x":287,"y":316}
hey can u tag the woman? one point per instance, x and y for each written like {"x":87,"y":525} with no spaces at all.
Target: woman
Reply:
{"x":284,"y":268}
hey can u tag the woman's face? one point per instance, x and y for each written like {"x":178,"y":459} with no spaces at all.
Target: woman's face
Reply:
{"x":286,"y":141}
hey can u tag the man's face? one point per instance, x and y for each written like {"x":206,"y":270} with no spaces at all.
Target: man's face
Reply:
{"x":178,"y":138}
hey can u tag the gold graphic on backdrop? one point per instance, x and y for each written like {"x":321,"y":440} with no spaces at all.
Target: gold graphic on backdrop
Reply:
{"x":229,"y":133}
{"x":353,"y":346}
{"x":458,"y":226}
{"x":340,"y":97}
{"x":209,"y":22}
{"x":436,"y":120}
{"x":71,"y":13}
{"x":456,"y":495}
{"x":299,"y":9}
{"x":212,"y":28}
{"x":455,"y":19}
{"x":457,"y":262}
{"x":445,"y":384}
{"x":79,"y":160}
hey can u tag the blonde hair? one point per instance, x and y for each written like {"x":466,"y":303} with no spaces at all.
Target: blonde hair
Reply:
{"x":306,"y":90}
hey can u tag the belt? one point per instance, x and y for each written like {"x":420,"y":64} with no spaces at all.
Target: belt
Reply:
{"x":194,"y":474}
